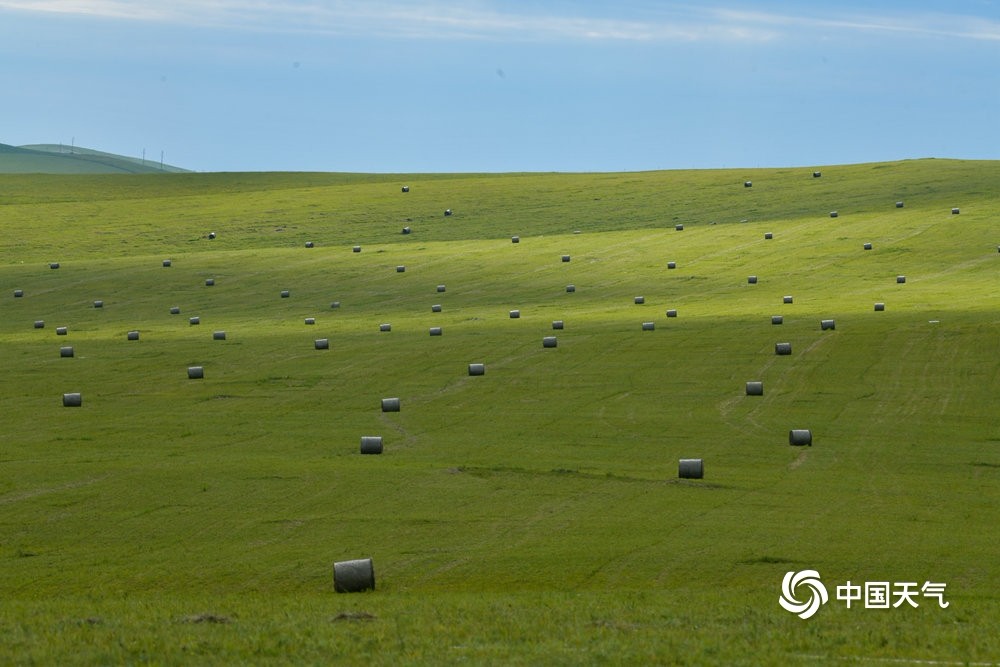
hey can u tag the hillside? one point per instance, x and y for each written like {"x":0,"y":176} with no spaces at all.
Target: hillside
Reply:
{"x":532,"y":514}
{"x":60,"y":159}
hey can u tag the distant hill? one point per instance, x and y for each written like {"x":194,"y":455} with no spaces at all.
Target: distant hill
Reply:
{"x":61,"y":159}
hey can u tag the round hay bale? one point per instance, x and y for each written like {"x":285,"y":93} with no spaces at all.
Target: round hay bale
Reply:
{"x":196,"y":372}
{"x":565,"y":258}
{"x":899,"y":204}
{"x":514,"y":314}
{"x":406,"y":188}
{"x":955,"y":211}
{"x":672,"y":312}
{"x":310,"y":320}
{"x":755,"y":388}
{"x":175,"y":310}
{"x":879,"y":307}
{"x":211,"y":236}
{"x":549,"y":341}
{"x":900,"y":280}
{"x":558,"y":324}
{"x":335,"y":304}
{"x":384,"y":327}
{"x":817,"y":174}
{"x":18,"y":293}
{"x":39,"y":324}
{"x":834,"y":214}
{"x":782,"y":349}
{"x":73,"y":400}
{"x":209,"y":282}
{"x":285,"y":294}
{"x":477,"y":369}
{"x":867,"y":246}
{"x":639,"y":300}
{"x":54,"y":265}
{"x":752,"y":280}
{"x":390,"y":405}
{"x":98,"y":304}
{"x":800,"y":437}
{"x":768,"y":236}
{"x":440,"y":288}
{"x":515,"y":239}
{"x":167,"y":263}
{"x":400,"y":269}
{"x":777,"y":319}
{"x":371,"y":444}
{"x":827,"y":325}
{"x":61,"y":331}
{"x":679,"y":228}
{"x":787,"y":299}
{"x":748,"y":184}
{"x":436,"y":308}
{"x":435,"y":331}
{"x":218,"y":335}
{"x":354,"y":576}
{"x":690,"y":468}
{"x":321,"y":344}
{"x":447,"y":212}
{"x":570,"y":288}
{"x":406,"y":230}
{"x":132,"y":335}
{"x":671,"y":265}
{"x":648,"y":326}
{"x":309,"y":244}
{"x":66,"y":351}
{"x":194,"y":321}
{"x":356,"y":248}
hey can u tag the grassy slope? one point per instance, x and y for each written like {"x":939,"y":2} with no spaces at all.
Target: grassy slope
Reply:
{"x":57,"y":159}
{"x":530,"y":515}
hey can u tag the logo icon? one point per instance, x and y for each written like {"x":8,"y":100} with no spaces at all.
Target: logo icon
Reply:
{"x":817,"y":593}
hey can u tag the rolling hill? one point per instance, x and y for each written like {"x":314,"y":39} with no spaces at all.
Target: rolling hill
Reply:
{"x":532,"y":514}
{"x":60,"y":159}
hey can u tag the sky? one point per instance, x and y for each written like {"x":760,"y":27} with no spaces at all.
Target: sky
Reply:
{"x":501,"y":86}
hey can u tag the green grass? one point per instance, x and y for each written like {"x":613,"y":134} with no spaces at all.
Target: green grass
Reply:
{"x":532,"y":515}
{"x":60,"y":159}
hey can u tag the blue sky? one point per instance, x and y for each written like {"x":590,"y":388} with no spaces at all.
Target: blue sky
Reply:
{"x":484,"y":85}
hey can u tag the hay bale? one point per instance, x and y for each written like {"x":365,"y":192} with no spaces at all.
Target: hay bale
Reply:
{"x":787,"y":299}
{"x":371,"y":444}
{"x":639,"y":300}
{"x":209,"y":282}
{"x":570,"y":288}
{"x":400,"y":269}
{"x":218,"y":335}
{"x":679,"y":228}
{"x":827,"y":325}
{"x":549,"y":341}
{"x":66,"y":352}
{"x":167,"y":263}
{"x":833,"y":214}
{"x":867,"y":246}
{"x":782,"y":349}
{"x":955,"y":211}
{"x":54,"y":265}
{"x":211,"y":236}
{"x":175,"y":310}
{"x":61,"y":331}
{"x":690,"y":468}
{"x":672,"y":312}
{"x":879,"y":307}
{"x":73,"y":400}
{"x":777,"y":319}
{"x":39,"y":324}
{"x":817,"y":174}
{"x":447,"y":212}
{"x":899,"y":204}
{"x":390,"y":405}
{"x":356,"y":248}
{"x":648,"y":326}
{"x":514,"y":314}
{"x":285,"y":294}
{"x":321,"y":344}
{"x":98,"y":304}
{"x":900,"y":280}
{"x":435,"y":331}
{"x":800,"y":437}
{"x":194,"y":321}
{"x":436,"y":308}
{"x":335,"y":304}
{"x":751,"y":280}
{"x":755,"y":388}
{"x":310,"y":320}
{"x":354,"y":576}
{"x":385,"y":327}
{"x":671,"y":265}
{"x":558,"y":324}
{"x":748,"y":184}
{"x":132,"y":335}
{"x":440,"y":289}
{"x":18,"y":293}
{"x":309,"y":244}
{"x":196,"y":372}
{"x":406,"y":230}
{"x":406,"y":188}
{"x":477,"y":369}
{"x":768,"y":236}
{"x":515,"y":239}
{"x":565,"y":258}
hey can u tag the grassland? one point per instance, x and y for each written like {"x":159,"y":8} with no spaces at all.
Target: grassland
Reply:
{"x":59,"y":159}
{"x":532,"y":515}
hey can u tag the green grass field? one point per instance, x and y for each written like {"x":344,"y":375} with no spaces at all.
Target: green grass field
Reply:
{"x":532,"y":515}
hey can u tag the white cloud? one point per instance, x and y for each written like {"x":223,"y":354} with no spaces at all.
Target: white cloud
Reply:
{"x":469,"y":19}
